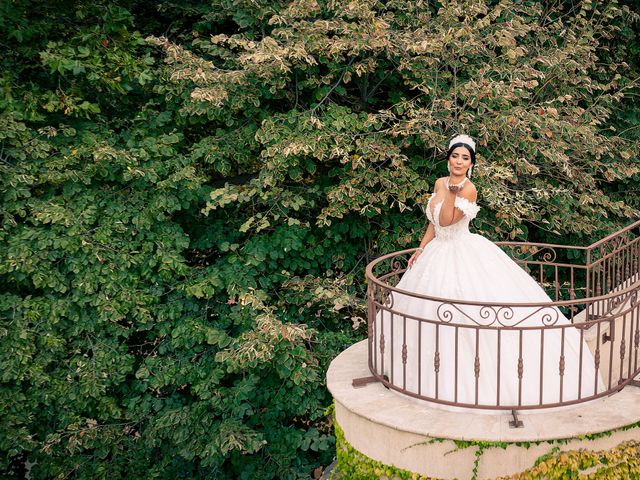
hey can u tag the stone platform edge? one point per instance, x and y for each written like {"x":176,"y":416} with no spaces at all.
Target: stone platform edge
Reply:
{"x":409,"y":434}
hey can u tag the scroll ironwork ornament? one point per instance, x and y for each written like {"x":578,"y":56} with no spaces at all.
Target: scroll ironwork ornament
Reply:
{"x":404,"y":353}
{"x":519,"y":250}
{"x":636,"y":339}
{"x":445,"y":312}
{"x":396,"y":266}
{"x":549,"y":256}
{"x":596,"y":358}
{"x":487,"y":312}
{"x":476,"y":366}
{"x":436,"y":362}
{"x":623,"y":348}
{"x":634,"y":298}
{"x":503,"y":315}
{"x":549,"y":319}
{"x":529,"y":253}
{"x":561,"y":365}
{"x":382,"y":344}
{"x":613,"y":303}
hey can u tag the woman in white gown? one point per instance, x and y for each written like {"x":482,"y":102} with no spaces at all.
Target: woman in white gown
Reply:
{"x":453,"y":263}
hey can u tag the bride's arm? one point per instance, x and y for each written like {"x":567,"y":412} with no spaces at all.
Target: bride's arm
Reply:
{"x":429,"y":235}
{"x":449,"y":214}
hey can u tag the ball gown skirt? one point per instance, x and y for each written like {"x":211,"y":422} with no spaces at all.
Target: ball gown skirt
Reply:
{"x":461,"y":265}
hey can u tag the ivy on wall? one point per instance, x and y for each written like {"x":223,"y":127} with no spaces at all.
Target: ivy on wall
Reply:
{"x":620,"y":462}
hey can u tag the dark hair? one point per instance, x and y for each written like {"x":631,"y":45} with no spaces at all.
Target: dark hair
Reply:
{"x":471,"y":152}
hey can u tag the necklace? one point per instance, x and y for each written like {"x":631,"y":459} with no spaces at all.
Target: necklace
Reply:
{"x":456,"y":185}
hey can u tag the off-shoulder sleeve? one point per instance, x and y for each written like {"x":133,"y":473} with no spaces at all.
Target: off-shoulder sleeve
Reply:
{"x":470,"y":209}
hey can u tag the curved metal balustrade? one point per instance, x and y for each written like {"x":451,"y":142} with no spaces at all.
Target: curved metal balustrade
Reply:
{"x":470,"y":354}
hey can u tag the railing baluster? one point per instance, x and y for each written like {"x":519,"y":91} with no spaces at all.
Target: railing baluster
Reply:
{"x":498,"y":369}
{"x":541,"y":364}
{"x":520,"y":369}
{"x":391,"y":347}
{"x":622,"y":347}
{"x":381,"y":346}
{"x":455,"y":384}
{"x":436,"y":358}
{"x":636,"y":338}
{"x":476,"y":366}
{"x":542,"y":275}
{"x":561,"y":363}
{"x":580,"y":364}
{"x":596,"y":359}
{"x":372,"y":338}
{"x":631,"y":335}
{"x":572,"y":293}
{"x":612,"y":330}
{"x":419,"y":357}
{"x":404,"y":352}
{"x":610,"y":274}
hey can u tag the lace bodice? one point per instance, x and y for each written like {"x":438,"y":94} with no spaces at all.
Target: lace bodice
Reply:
{"x":460,"y":228}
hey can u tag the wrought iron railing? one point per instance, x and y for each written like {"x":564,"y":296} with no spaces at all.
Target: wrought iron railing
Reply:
{"x":580,"y":346}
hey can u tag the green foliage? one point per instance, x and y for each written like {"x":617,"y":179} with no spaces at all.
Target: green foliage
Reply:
{"x":190,"y":194}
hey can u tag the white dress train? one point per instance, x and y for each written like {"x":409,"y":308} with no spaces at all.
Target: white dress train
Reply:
{"x":461,"y":265}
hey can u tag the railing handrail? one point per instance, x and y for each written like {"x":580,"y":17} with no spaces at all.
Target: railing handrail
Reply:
{"x":576,"y":247}
{"x":538,"y":244}
{"x":613,"y":235}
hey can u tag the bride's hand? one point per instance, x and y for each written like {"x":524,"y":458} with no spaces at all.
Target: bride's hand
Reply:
{"x":414,"y":257}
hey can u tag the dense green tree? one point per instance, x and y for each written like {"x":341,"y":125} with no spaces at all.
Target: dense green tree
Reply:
{"x":191,"y":191}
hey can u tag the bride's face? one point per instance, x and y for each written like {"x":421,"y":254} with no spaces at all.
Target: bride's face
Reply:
{"x":459,"y":161}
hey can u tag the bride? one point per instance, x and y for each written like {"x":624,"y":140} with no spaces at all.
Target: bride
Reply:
{"x":457,"y":355}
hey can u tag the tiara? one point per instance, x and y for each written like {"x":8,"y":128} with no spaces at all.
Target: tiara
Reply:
{"x":466,"y":139}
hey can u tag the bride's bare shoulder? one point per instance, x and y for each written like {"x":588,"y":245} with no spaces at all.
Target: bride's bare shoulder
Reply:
{"x":470,"y":185}
{"x":469,"y":191}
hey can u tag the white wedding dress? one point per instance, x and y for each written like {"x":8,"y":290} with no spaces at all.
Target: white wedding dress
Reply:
{"x":461,"y":265}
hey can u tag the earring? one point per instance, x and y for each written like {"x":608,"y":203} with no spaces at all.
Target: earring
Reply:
{"x":469,"y":171}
